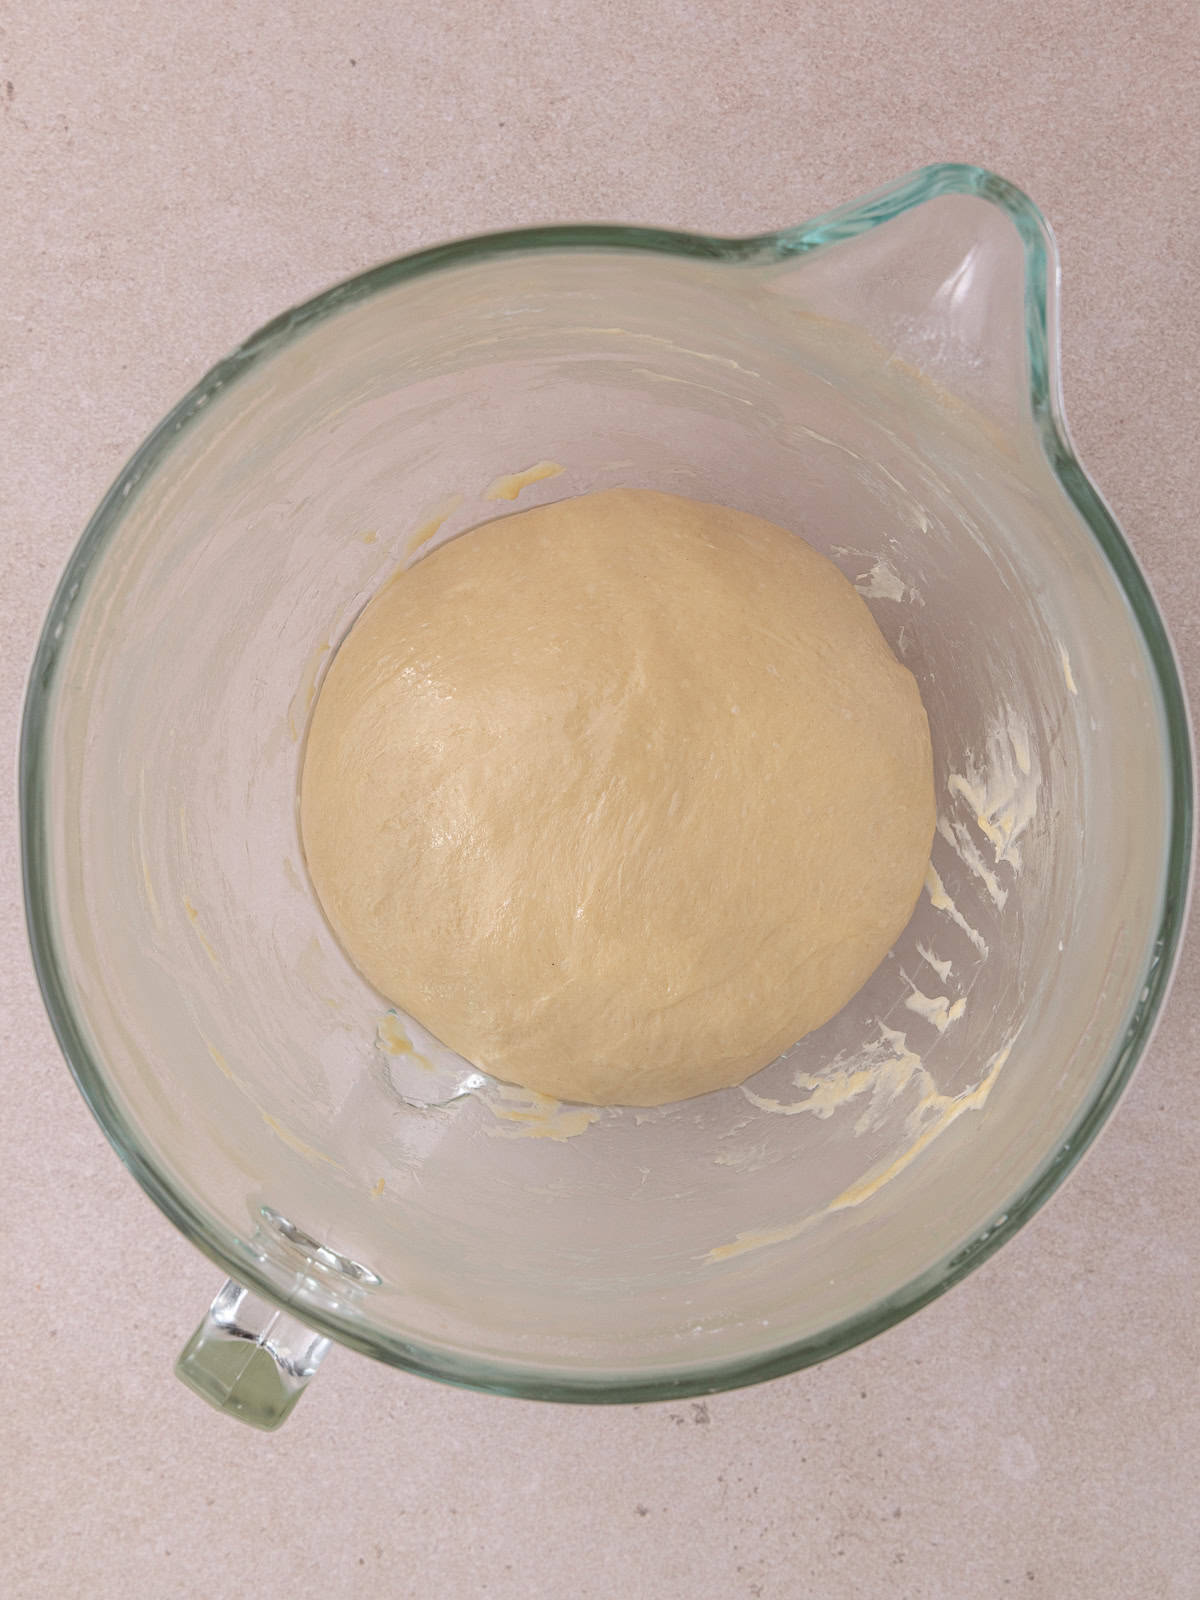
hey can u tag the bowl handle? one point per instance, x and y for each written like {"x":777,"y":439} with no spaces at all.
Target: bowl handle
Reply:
{"x":250,"y":1359}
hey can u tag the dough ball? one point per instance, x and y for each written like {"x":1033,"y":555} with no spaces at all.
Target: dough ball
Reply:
{"x":619,"y":796}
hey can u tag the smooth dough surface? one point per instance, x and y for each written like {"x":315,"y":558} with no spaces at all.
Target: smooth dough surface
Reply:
{"x":619,"y":796}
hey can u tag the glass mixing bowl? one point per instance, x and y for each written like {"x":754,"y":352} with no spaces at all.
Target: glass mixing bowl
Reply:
{"x":883,"y":380}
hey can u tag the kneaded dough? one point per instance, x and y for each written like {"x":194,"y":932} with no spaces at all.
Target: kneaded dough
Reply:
{"x":619,"y":796}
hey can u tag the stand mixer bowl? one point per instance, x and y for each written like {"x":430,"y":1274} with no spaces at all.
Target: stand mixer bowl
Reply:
{"x":883,"y":380}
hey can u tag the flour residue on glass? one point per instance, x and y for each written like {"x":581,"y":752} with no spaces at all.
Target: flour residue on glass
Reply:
{"x":998,"y":790}
{"x":193,"y":916}
{"x":941,"y":967}
{"x":1064,"y":662}
{"x":940,"y":900}
{"x":293,"y":1141}
{"x":938,"y":1010}
{"x":306,"y":690}
{"x":930,"y":1116}
{"x":881,"y":582}
{"x":425,"y":1074}
{"x":509,"y":485}
{"x":392,"y":1038}
{"x":886,"y":1068}
{"x":535,"y":1116}
{"x":420,"y":1070}
{"x":429,"y":521}
{"x":990,"y":804}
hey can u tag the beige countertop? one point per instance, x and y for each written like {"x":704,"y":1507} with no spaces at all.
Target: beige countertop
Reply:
{"x":174,"y":175}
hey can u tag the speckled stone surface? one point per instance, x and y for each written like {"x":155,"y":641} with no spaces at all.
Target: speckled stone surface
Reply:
{"x":174,"y":175}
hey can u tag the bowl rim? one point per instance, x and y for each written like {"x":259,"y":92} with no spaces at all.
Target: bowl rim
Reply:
{"x":236,"y":1257}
